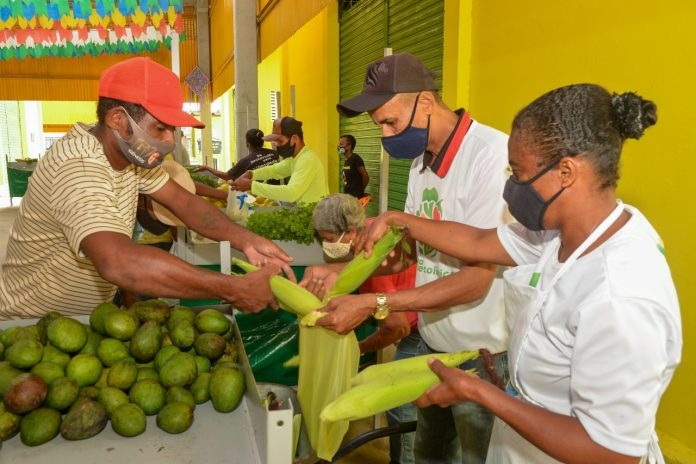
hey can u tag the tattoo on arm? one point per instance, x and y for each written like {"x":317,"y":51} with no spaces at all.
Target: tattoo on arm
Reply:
{"x":210,"y":220}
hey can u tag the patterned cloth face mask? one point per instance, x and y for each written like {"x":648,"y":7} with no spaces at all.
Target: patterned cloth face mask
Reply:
{"x":141,"y":149}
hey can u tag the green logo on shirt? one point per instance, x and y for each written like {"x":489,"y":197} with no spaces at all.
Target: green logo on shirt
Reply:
{"x":431,"y":208}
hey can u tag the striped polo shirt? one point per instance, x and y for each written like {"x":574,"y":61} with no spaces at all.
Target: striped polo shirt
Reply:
{"x":73,"y":192}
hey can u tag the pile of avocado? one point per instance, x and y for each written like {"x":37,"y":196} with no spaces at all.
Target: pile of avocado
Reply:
{"x":62,"y":376}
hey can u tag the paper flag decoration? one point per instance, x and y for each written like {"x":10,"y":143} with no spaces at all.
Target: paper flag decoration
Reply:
{"x":35,"y":28}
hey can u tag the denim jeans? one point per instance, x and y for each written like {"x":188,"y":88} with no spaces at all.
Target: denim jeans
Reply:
{"x":461,"y":432}
{"x":401,"y":446}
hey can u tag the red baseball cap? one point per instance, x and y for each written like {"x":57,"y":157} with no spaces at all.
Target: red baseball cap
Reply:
{"x":149,"y":84}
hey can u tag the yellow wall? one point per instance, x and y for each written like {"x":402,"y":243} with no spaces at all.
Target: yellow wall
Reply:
{"x":270,"y":78}
{"x":67,"y":113}
{"x":456,"y":69}
{"x":309,"y":61}
{"x":221,"y":46}
{"x":523,"y":49}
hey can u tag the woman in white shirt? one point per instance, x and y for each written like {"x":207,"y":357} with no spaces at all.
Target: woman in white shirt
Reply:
{"x":594,"y":315}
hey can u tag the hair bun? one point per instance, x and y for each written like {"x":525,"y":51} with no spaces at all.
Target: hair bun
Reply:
{"x":633,"y":114}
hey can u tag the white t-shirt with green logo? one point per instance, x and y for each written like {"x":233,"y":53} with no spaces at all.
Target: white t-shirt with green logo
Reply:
{"x":471,"y":193}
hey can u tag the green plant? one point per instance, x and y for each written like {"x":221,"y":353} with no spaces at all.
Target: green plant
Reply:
{"x":204,"y":180}
{"x":290,"y":224}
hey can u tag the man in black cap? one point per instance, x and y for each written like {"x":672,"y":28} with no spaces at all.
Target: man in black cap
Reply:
{"x":307,"y":178}
{"x":458,"y":174}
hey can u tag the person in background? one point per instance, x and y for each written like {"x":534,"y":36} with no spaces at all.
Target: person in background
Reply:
{"x":355,"y":177}
{"x":596,"y":329}
{"x":70,"y":246}
{"x":307,"y":177}
{"x":340,"y":220}
{"x":457,"y":173}
{"x":258,"y":157}
{"x":185,"y":154}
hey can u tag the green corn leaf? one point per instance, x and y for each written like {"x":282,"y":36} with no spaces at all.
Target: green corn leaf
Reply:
{"x":359,"y":269}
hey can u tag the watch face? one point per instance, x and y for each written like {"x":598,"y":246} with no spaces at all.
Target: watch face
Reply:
{"x":381,"y":313}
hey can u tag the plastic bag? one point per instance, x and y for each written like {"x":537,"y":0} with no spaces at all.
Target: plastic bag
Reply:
{"x":327,"y":363}
{"x":239,"y":205}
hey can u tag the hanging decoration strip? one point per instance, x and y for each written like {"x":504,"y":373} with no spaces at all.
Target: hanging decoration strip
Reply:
{"x":75,"y":28}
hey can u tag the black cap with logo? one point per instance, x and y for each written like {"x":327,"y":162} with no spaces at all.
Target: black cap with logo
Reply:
{"x":399,"y":73}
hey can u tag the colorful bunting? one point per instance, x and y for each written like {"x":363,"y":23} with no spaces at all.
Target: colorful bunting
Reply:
{"x":37,"y":28}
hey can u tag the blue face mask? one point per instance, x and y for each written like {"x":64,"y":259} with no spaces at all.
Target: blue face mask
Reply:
{"x":411,"y":142}
{"x":524,"y":202}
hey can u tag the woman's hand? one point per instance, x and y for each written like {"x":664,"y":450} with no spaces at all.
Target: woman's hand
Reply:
{"x":261,"y":251}
{"x":455,"y":386}
{"x":347,"y":312}
{"x":319,"y":279}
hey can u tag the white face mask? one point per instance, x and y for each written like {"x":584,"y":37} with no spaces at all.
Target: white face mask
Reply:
{"x":337,"y":249}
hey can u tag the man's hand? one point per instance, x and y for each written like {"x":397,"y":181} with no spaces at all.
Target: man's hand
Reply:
{"x":319,"y":279}
{"x":202,"y":169}
{"x":455,"y":386}
{"x":254,"y":293}
{"x":376,"y":230}
{"x":242,"y":184}
{"x":347,"y":312}
{"x":261,"y":251}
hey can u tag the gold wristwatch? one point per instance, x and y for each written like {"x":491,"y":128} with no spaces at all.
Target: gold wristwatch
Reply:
{"x":382,"y":310}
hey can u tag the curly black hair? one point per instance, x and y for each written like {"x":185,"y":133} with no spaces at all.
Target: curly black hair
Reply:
{"x":137,"y":112}
{"x":585,"y":119}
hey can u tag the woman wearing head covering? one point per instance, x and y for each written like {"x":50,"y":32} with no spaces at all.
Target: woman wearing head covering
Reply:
{"x":340,"y":220}
{"x":595,"y":324}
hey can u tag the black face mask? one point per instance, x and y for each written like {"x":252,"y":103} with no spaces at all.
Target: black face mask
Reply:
{"x":524,"y":202}
{"x":285,"y":150}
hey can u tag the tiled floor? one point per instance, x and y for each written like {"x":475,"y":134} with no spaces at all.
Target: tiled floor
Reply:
{"x":374,"y":452}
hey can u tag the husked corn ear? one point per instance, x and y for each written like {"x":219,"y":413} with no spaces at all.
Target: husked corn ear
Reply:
{"x":359,"y":269}
{"x":290,"y":296}
{"x":310,"y":320}
{"x":370,"y":398}
{"x":292,"y":362}
{"x":410,"y":366}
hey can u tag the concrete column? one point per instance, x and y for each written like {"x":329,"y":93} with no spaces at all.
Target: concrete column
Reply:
{"x":384,"y":169}
{"x":246,"y":99}
{"x":203,"y":31}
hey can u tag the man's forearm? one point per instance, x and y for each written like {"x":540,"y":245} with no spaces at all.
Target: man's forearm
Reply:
{"x":151,"y":271}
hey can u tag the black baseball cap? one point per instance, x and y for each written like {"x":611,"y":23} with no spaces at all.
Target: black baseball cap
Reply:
{"x":399,"y":73}
{"x":286,"y":126}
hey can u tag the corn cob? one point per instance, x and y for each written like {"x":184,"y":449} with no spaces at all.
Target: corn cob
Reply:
{"x":359,"y":269}
{"x":370,"y":398}
{"x":409,"y":366}
{"x":310,"y":320}
{"x":290,"y":296}
{"x":292,"y":362}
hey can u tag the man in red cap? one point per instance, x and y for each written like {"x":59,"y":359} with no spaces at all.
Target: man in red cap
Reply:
{"x":70,"y":246}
